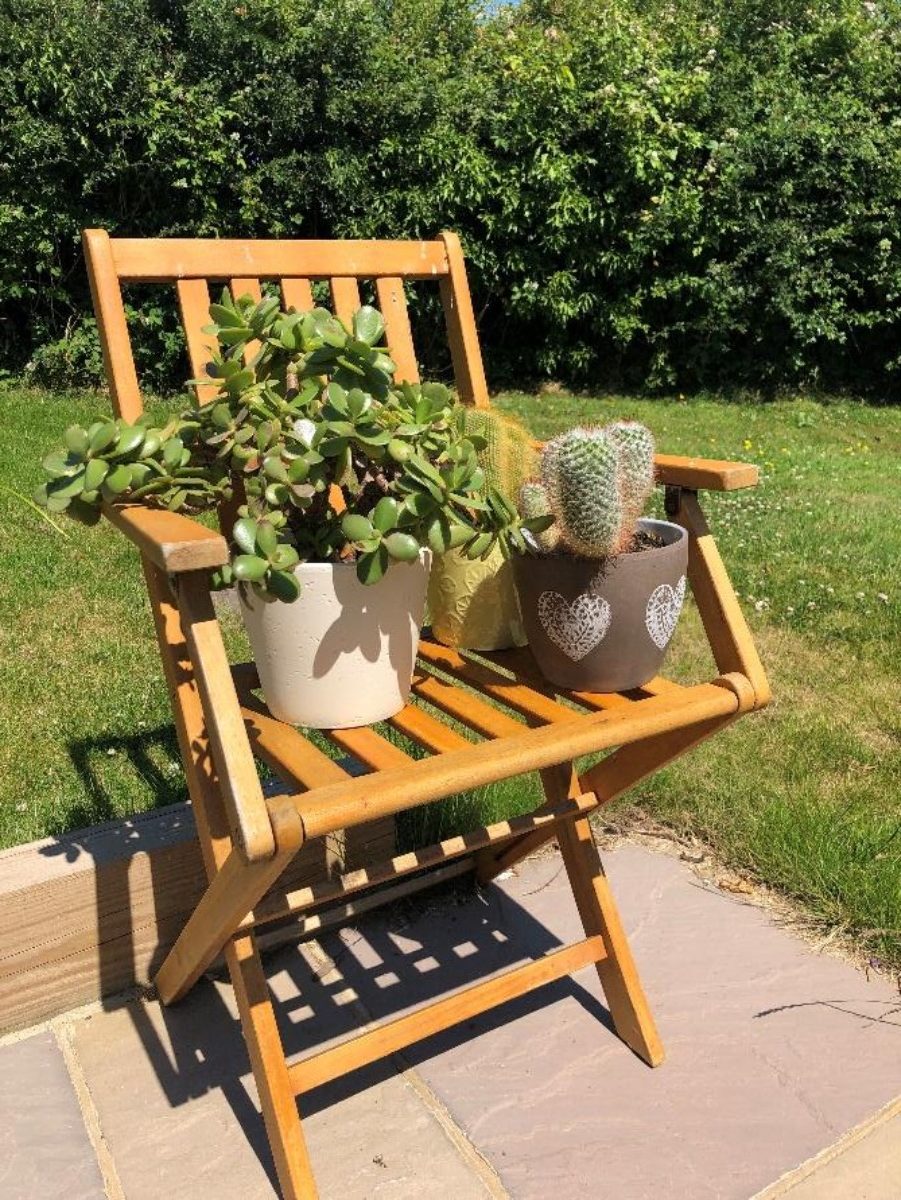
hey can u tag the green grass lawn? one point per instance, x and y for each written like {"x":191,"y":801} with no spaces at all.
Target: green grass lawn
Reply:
{"x":805,"y":795}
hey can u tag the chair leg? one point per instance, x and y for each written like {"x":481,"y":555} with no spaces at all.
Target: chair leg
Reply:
{"x":234,"y":890}
{"x":617,"y":972}
{"x":270,"y":1070}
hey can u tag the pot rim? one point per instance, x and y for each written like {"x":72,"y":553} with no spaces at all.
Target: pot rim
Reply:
{"x":653,"y":522}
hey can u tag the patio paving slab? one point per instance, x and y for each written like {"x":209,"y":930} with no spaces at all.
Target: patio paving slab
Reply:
{"x":45,"y":1152}
{"x":868,"y":1167}
{"x":178,"y":1109}
{"x":773,"y":1050}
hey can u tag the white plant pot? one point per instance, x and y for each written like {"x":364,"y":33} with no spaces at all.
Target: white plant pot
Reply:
{"x":343,"y":653}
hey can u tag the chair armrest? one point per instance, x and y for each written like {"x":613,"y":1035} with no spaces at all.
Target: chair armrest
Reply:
{"x":170,"y":541}
{"x":700,"y":473}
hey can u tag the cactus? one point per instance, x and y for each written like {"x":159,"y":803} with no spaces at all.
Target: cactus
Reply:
{"x":534,"y":502}
{"x":596,"y":483}
{"x":635,"y":473}
{"x":508,"y":456}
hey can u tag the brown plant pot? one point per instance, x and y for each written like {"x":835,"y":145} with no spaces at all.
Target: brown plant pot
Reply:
{"x":604,"y":626}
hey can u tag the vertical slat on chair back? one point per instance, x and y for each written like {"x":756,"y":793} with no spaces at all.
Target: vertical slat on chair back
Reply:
{"x":192,"y":265}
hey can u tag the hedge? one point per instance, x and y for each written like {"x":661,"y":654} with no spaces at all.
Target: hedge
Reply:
{"x":661,"y":195}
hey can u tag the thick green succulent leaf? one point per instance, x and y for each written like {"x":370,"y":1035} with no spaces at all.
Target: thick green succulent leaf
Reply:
{"x":129,"y":441}
{"x":244,"y":532}
{"x":371,"y":567}
{"x":402,"y":546}
{"x":76,"y":440}
{"x":267,"y":539}
{"x":384,"y":515}
{"x":355,"y":527}
{"x":368,"y":325}
{"x":248,"y":568}
{"x":102,"y":437}
{"x":94,"y":474}
{"x":66,"y":486}
{"x":57,"y":463}
{"x":284,"y":557}
{"x":283,"y":585}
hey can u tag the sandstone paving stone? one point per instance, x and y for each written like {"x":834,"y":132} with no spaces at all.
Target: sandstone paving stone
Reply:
{"x":869,"y":1169}
{"x":178,"y":1108}
{"x":45,"y":1152}
{"x":773,"y":1051}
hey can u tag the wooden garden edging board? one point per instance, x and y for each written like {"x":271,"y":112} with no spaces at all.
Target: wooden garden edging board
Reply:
{"x":95,"y":912}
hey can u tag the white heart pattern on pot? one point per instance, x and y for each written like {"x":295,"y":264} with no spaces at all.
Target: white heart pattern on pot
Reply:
{"x":576,"y":628}
{"x":662,"y":613}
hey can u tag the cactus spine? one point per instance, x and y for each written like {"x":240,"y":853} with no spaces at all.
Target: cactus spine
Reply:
{"x":596,"y":482}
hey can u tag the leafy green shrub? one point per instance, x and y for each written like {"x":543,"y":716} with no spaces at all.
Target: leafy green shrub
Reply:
{"x":666,"y":194}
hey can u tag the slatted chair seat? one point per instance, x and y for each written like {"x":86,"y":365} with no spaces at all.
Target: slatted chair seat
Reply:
{"x":472,"y":718}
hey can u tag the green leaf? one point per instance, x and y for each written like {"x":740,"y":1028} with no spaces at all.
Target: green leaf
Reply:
{"x":248,"y":568}
{"x":244,"y":532}
{"x":172,"y":452}
{"x":67,"y":486}
{"x":283,"y":585}
{"x":355,"y":527}
{"x":76,"y":440}
{"x":399,"y":451}
{"x":384,"y":515}
{"x":94,"y":474}
{"x":402,"y":546}
{"x":103,"y":436}
{"x":372,"y":567}
{"x":57,"y":463}
{"x":368,"y":325}
{"x":118,"y":480}
{"x":274,"y":468}
{"x":226,"y":316}
{"x":284,"y":557}
{"x":130,"y":439}
{"x":267,"y":539}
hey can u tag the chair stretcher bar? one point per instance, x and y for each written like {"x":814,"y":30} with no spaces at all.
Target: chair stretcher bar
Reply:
{"x":366,"y":798}
{"x":404,"y":1031}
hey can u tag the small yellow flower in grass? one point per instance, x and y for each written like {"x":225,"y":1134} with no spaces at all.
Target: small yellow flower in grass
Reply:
{"x":747,"y":444}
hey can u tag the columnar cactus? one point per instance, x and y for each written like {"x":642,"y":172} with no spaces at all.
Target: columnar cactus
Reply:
{"x":505,"y":448}
{"x":596,"y":483}
{"x":635,"y":472}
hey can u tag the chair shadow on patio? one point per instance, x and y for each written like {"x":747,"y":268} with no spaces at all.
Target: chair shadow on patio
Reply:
{"x":377,"y":969}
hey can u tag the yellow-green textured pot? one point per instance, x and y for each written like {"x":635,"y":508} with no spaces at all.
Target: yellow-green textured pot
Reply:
{"x":472,"y":604}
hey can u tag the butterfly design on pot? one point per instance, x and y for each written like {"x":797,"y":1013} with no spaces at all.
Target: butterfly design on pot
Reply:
{"x":576,"y":627}
{"x":662,"y":612}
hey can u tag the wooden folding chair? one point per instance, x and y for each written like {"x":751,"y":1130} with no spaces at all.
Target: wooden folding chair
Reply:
{"x":248,"y":840}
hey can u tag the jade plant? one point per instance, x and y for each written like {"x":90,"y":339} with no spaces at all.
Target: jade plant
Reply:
{"x":324,"y":457}
{"x":595,"y":484}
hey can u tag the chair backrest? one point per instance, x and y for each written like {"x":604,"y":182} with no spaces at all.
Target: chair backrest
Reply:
{"x":192,"y":264}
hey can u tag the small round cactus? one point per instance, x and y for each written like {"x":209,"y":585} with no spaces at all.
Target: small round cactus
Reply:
{"x":596,"y":483}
